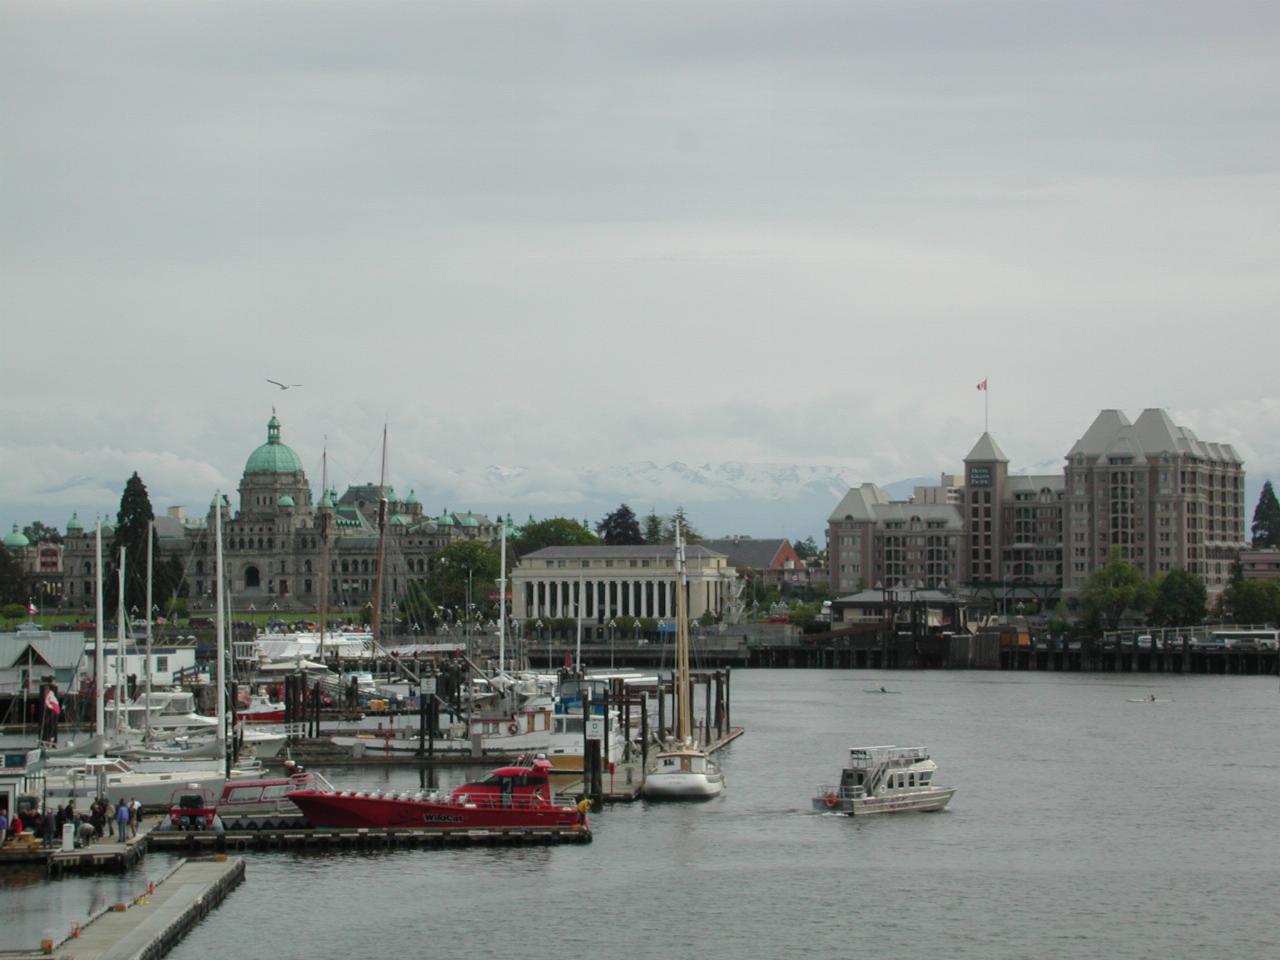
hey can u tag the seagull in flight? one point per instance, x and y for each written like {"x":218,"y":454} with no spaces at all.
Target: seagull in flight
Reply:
{"x":283,"y":386}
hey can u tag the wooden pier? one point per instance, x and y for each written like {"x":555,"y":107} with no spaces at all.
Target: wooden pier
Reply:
{"x":102,"y":856}
{"x":321,"y":839}
{"x":147,"y":927}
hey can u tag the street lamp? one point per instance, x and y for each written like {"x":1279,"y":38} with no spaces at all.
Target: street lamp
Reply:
{"x":538,"y":626}
{"x":611,"y":626}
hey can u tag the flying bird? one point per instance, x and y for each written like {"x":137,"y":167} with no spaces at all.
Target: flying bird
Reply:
{"x":283,"y":386}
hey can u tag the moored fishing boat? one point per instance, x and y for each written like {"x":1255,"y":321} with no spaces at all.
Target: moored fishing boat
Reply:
{"x":885,"y":779}
{"x":515,"y":797}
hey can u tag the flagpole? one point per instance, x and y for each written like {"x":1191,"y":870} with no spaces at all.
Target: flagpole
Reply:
{"x":986,"y":406}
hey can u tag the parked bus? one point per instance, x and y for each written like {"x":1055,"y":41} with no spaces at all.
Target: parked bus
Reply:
{"x":1241,"y":640}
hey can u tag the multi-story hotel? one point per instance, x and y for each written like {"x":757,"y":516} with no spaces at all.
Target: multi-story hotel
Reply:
{"x":1165,"y":498}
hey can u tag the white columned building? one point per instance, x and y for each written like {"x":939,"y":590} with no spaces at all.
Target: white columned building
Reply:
{"x":612,"y":582}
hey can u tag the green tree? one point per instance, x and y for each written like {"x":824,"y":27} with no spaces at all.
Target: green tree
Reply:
{"x":1254,"y":601}
{"x":805,"y":549}
{"x":12,"y":586}
{"x":37,"y":532}
{"x":691,"y":534}
{"x":458,"y":566}
{"x":1265,"y":530}
{"x":131,"y":534}
{"x":556,"y":532}
{"x":1112,"y":589}
{"x":620,"y":528}
{"x":1180,"y":598}
{"x":653,"y":527}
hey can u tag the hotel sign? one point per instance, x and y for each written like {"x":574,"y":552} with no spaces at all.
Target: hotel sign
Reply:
{"x":979,"y":476}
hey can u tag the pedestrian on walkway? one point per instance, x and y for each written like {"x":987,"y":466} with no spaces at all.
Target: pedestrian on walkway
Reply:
{"x":135,"y":815}
{"x":122,"y":820}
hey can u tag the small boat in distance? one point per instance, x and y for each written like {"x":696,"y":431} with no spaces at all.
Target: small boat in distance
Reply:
{"x":880,"y":690}
{"x":517,"y":797}
{"x":1150,"y":699}
{"x":884,"y":780}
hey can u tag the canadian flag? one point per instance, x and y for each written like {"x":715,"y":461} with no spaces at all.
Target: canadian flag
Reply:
{"x":51,"y":702}
{"x":31,"y":609}
{"x":983,"y":384}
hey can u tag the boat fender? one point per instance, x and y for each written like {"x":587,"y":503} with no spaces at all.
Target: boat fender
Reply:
{"x":512,"y":729}
{"x":830,"y":800}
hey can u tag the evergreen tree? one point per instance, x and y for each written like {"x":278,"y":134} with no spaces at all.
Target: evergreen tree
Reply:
{"x":1266,"y":519}
{"x":690,"y":534}
{"x":131,"y":533}
{"x":12,"y":587}
{"x":620,"y":528}
{"x":459,"y":566}
{"x":1253,"y":601}
{"x":653,"y":527}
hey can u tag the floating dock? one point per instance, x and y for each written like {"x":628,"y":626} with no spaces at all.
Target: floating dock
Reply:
{"x":149,"y":926}
{"x":337,"y":838}
{"x":101,"y":856}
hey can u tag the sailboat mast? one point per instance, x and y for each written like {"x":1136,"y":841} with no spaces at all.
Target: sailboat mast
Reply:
{"x":324,"y":548}
{"x":684,"y":709}
{"x":146,"y":667}
{"x":220,"y":627}
{"x":121,"y":613}
{"x":502,"y":603}
{"x":99,"y":656}
{"x":382,"y":531}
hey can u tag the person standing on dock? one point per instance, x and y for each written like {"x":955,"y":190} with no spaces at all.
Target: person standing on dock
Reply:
{"x":135,"y":814}
{"x":122,"y":820}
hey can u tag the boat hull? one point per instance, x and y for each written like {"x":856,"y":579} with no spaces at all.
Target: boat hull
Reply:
{"x":683,"y":786}
{"x":906,"y":801}
{"x":385,"y":812}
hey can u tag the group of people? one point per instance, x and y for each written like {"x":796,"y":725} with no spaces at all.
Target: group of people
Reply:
{"x":118,"y":820}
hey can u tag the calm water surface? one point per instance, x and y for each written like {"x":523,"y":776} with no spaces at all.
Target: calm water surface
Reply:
{"x":1084,"y":826}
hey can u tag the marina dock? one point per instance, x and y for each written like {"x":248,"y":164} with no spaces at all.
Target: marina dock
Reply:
{"x":149,"y":926}
{"x":102,"y":856}
{"x":322,"y":839}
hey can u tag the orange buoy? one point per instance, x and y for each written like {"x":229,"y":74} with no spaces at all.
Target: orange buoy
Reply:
{"x":831,"y":800}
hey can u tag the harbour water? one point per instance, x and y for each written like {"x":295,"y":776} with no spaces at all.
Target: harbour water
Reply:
{"x":1085,"y":825}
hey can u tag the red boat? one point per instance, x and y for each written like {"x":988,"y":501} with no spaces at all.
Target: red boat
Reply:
{"x":516,"y":797}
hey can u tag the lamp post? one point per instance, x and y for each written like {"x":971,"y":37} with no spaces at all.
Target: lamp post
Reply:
{"x":636,"y":622}
{"x":611,"y":625}
{"x":538,"y":626}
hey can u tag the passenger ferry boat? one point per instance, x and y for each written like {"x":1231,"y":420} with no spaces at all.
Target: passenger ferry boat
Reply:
{"x":884,"y":780}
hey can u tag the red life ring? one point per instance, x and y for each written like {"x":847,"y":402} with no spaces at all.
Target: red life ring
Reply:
{"x":831,"y":800}
{"x":513,"y":729}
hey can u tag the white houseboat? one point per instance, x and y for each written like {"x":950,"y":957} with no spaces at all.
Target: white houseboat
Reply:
{"x":884,"y":780}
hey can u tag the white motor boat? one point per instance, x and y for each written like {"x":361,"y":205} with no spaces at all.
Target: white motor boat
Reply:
{"x":683,"y":772}
{"x":884,"y":780}
{"x":114,"y":778}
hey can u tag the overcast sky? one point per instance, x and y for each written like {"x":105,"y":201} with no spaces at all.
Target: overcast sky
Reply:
{"x":568,"y":235}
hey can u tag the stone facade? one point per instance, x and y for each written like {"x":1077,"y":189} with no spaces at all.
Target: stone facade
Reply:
{"x":605,"y":583}
{"x":1151,"y":488}
{"x":273,"y":547}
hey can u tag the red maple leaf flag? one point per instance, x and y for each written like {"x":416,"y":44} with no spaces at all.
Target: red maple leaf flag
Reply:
{"x":983,"y":384}
{"x":51,"y":702}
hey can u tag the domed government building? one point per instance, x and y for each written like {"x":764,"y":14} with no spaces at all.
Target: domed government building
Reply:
{"x":272,"y":544}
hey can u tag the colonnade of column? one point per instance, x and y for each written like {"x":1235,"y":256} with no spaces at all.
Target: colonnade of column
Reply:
{"x":599,"y":600}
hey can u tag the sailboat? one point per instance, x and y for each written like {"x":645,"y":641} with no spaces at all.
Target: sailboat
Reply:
{"x":682,"y":770}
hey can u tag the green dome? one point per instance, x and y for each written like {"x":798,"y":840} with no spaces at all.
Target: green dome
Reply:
{"x":16,"y":539}
{"x":413,"y":500}
{"x":285,"y":501}
{"x":328,"y":501}
{"x":273,"y":456}
{"x":74,"y":523}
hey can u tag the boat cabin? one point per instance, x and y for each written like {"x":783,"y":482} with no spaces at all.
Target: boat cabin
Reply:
{"x":508,"y":786}
{"x":871,"y":769}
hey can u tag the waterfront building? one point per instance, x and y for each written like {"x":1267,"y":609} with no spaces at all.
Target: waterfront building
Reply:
{"x":273,"y":542}
{"x":1257,"y":563}
{"x":602,"y":583}
{"x":1152,"y":489}
{"x":773,"y":561}
{"x":1165,"y":498}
